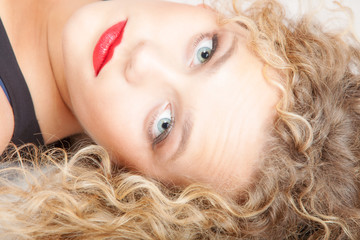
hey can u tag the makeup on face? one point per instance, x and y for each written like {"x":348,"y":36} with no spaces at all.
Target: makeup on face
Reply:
{"x":104,"y":49}
{"x":149,"y":100}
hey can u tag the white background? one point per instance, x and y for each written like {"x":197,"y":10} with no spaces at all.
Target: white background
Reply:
{"x":292,"y":6}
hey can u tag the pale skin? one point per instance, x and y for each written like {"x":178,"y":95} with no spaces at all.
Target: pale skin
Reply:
{"x":219,"y":108}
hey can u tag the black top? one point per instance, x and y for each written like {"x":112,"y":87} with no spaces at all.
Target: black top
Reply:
{"x":27,"y":129}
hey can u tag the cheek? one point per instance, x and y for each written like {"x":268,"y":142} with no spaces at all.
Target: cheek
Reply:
{"x":108,"y":122}
{"x":119,"y":129}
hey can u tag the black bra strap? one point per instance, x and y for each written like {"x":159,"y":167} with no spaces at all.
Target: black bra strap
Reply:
{"x":27,"y":129}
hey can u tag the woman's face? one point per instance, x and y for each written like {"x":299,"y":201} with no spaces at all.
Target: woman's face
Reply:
{"x":181,"y":99}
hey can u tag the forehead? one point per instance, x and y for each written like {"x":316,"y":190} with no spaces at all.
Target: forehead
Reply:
{"x":233,"y":106}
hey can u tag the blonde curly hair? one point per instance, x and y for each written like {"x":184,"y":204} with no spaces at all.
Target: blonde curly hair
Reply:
{"x":58,"y":196}
{"x":308,"y":186}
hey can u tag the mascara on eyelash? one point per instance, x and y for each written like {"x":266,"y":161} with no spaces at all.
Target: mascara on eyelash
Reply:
{"x":163,"y":135}
{"x":199,"y":39}
{"x":202,"y":37}
{"x":215,"y":41}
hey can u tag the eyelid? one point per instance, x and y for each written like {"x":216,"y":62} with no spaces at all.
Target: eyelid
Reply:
{"x":202,"y":37}
{"x":155,"y":141}
{"x":195,"y":47}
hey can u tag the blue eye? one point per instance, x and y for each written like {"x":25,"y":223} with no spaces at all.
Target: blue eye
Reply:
{"x":205,"y":50}
{"x":162,"y":125}
{"x":204,"y":54}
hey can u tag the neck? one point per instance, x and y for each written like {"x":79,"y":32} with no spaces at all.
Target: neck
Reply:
{"x":35,"y":31}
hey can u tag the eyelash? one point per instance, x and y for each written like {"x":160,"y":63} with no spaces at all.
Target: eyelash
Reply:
{"x":157,"y":140}
{"x":215,"y":43}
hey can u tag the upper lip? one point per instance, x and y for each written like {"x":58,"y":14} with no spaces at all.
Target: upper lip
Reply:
{"x":106,"y":44}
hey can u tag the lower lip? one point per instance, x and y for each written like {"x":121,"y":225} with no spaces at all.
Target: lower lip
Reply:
{"x":104,"y":49}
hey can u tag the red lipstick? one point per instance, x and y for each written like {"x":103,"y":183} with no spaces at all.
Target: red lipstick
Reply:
{"x":104,"y":49}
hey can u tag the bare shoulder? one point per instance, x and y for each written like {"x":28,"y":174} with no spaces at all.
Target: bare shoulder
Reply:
{"x":6,"y":121}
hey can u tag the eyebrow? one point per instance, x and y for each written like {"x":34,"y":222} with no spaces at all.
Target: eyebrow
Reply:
{"x":185,"y":135}
{"x":221,"y":60}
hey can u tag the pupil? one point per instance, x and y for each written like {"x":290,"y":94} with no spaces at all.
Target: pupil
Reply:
{"x":205,"y":55}
{"x":165,"y":125}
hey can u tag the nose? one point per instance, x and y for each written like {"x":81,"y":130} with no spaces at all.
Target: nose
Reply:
{"x":147,"y":63}
{"x":141,"y":61}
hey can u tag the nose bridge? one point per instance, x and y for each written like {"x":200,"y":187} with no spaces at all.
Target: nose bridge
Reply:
{"x":147,"y":63}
